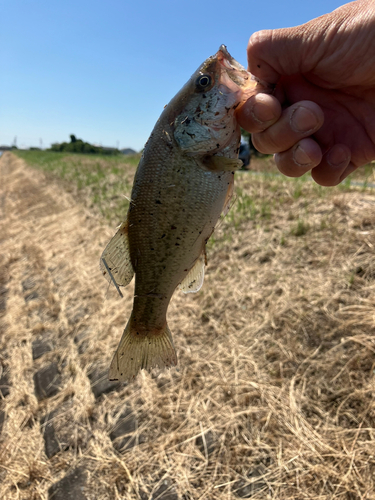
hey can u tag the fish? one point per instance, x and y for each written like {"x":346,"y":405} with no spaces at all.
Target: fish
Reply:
{"x":183,"y":183}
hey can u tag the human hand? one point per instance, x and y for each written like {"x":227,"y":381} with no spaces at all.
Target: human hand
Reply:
{"x":322,"y":114}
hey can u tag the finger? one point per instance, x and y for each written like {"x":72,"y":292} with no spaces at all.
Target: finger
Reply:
{"x":334,"y":167}
{"x":259,"y":112}
{"x":301,"y":158}
{"x":269,"y":51}
{"x":296,"y":122}
{"x":260,"y":56}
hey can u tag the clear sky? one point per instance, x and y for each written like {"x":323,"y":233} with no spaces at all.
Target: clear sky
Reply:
{"x":103,"y":70}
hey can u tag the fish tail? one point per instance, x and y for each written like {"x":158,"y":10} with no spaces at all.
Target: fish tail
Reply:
{"x":142,"y":351}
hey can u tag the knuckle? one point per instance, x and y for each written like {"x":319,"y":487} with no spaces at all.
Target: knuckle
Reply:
{"x":259,"y":144}
{"x":266,"y":142}
{"x":286,"y":167}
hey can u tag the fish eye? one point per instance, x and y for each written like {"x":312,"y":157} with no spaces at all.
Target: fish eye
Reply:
{"x":203,"y":82}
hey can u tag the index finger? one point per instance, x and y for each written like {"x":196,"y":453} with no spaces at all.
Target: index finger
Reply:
{"x":259,"y":112}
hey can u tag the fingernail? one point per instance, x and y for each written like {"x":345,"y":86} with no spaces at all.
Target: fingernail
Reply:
{"x":301,"y":157}
{"x":262,"y":113}
{"x":337,"y":156}
{"x":303,"y":120}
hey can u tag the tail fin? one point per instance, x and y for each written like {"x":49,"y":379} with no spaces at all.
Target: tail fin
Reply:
{"x":142,"y":351}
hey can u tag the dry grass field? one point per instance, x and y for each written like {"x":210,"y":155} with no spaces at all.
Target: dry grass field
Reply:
{"x":273,"y":396}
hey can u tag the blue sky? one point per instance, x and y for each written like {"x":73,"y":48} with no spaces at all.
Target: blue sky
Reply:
{"x":103,"y":70}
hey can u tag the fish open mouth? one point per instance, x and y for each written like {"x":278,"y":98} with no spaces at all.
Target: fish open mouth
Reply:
{"x":223,"y":64}
{"x":227,"y":60}
{"x":234,"y":78}
{"x":236,"y":72}
{"x":237,"y":79}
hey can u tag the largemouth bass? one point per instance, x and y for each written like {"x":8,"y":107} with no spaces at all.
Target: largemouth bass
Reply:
{"x":184,"y":181}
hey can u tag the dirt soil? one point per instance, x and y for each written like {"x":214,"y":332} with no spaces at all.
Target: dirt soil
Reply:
{"x":274,"y":393}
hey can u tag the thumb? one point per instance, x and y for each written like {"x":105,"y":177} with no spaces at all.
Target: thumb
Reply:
{"x":287,"y":51}
{"x":272,"y":53}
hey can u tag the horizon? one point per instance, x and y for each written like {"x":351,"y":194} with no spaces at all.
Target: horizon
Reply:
{"x":105,"y":74}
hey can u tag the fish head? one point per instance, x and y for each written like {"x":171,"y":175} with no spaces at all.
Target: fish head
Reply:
{"x":204,"y":111}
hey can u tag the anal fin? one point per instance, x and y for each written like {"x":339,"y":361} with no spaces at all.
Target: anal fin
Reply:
{"x":193,"y":281}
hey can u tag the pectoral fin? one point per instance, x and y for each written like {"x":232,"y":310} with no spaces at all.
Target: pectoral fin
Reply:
{"x":193,"y":281}
{"x":222,"y":163}
{"x":115,"y":262}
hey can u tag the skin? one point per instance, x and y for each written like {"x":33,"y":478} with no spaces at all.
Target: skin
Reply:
{"x":183,"y":182}
{"x":321,"y":116}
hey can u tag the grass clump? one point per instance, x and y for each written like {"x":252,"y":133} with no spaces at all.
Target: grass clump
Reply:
{"x":301,"y":228}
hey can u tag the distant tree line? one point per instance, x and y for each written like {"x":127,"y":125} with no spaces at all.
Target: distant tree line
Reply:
{"x":79,"y":146}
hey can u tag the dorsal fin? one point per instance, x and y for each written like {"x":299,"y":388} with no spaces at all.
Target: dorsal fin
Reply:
{"x":115,"y":262}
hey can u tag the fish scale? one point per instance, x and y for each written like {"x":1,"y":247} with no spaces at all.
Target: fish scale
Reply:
{"x":184,"y":181}
{"x":186,"y":224}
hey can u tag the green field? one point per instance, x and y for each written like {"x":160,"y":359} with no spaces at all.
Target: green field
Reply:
{"x":104,"y":184}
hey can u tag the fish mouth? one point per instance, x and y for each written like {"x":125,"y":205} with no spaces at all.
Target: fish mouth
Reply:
{"x":235,"y":71}
{"x":243,"y":83}
{"x":227,"y":60}
{"x":233,"y":79}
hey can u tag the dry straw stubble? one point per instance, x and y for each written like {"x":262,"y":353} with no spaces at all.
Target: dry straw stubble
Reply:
{"x":273,"y":395}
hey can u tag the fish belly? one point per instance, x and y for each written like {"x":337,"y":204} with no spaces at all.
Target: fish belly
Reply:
{"x":174,"y":210}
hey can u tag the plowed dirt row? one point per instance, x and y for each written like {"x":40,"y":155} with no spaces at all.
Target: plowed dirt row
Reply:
{"x":274,"y":393}
{"x":52,"y":299}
